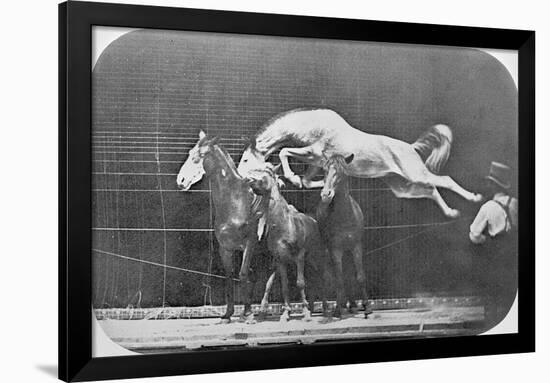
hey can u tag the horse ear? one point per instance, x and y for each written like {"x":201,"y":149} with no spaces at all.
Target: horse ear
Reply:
{"x":252,"y":142}
{"x":202,"y":135}
{"x":214,"y":140}
{"x":349,"y":158}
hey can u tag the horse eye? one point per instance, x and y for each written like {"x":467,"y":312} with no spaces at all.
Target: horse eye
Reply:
{"x":246,"y":160}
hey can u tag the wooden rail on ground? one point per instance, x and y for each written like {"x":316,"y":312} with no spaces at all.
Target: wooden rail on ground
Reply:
{"x":276,"y":308}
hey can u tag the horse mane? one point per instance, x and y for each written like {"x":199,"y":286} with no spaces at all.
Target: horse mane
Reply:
{"x":278,"y":116}
{"x":340,"y":162}
{"x":227,"y":157}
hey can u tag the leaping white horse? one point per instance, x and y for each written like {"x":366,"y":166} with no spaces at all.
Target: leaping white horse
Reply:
{"x":314,"y":135}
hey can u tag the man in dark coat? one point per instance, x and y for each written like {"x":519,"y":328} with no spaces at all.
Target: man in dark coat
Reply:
{"x":493,"y":233}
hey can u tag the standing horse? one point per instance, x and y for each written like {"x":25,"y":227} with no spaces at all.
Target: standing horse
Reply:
{"x":311,"y":135}
{"x":292,"y":237}
{"x":341,"y":224}
{"x":237,"y":211}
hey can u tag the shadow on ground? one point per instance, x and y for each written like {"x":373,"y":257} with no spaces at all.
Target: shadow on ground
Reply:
{"x":50,"y":369}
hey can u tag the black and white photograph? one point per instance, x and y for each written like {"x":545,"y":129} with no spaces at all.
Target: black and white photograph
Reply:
{"x":258,"y":191}
{"x":275,"y":191}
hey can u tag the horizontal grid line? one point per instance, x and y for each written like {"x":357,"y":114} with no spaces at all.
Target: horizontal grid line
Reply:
{"x":379,"y":227}
{"x":133,"y":174}
{"x":138,"y":161}
{"x":149,"y":190}
{"x":208,"y":191}
{"x":147,"y":229}
{"x":137,"y":147}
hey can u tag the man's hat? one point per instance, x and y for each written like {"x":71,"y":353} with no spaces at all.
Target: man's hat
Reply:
{"x":500,"y":174}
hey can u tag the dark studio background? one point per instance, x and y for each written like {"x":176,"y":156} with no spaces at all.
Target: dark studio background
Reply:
{"x":154,"y":90}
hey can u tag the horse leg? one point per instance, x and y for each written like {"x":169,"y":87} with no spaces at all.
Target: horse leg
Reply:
{"x":361,"y":277}
{"x":265,"y":299}
{"x":350,"y":297}
{"x":448,"y":183}
{"x":449,"y":212}
{"x":227,"y":261}
{"x":326,"y":276}
{"x":301,"y":283}
{"x":403,"y":188}
{"x":337,"y":255}
{"x":312,"y":171}
{"x":248,"y":314}
{"x":305,"y":154}
{"x":246,"y":285}
{"x":285,"y":316}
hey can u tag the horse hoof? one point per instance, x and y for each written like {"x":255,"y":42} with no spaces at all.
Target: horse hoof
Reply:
{"x":250,"y":319}
{"x":367,"y":313}
{"x":453,"y":213}
{"x":284,"y":318}
{"x":477,"y":198}
{"x":307,"y":316}
{"x":295,"y":180}
{"x":225,"y":321}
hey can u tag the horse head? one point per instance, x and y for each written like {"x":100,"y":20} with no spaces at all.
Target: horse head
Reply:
{"x":252,"y":159}
{"x":334,"y":175}
{"x":262,"y":181}
{"x":192,"y":170}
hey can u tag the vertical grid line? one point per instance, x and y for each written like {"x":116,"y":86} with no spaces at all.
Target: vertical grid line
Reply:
{"x":157,"y":157}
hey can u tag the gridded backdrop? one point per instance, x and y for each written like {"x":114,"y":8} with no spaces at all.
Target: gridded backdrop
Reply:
{"x":154,"y":90}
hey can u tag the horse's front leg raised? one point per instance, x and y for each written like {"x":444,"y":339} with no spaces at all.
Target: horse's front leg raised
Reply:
{"x":227,"y":261}
{"x":246,"y":285}
{"x":305,"y":154}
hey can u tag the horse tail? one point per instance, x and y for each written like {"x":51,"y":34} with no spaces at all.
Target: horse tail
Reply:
{"x":435,"y":146}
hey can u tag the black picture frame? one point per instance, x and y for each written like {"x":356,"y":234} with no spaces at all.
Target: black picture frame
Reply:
{"x":75,"y":266}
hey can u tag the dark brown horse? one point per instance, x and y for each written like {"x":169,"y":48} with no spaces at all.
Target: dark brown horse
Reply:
{"x":292,"y":237}
{"x":237,"y":211}
{"x":341,"y":224}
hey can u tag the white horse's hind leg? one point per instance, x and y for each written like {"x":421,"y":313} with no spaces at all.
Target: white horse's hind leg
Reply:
{"x":307,"y":179}
{"x":448,"y":183}
{"x":449,"y":212}
{"x":407,"y":189}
